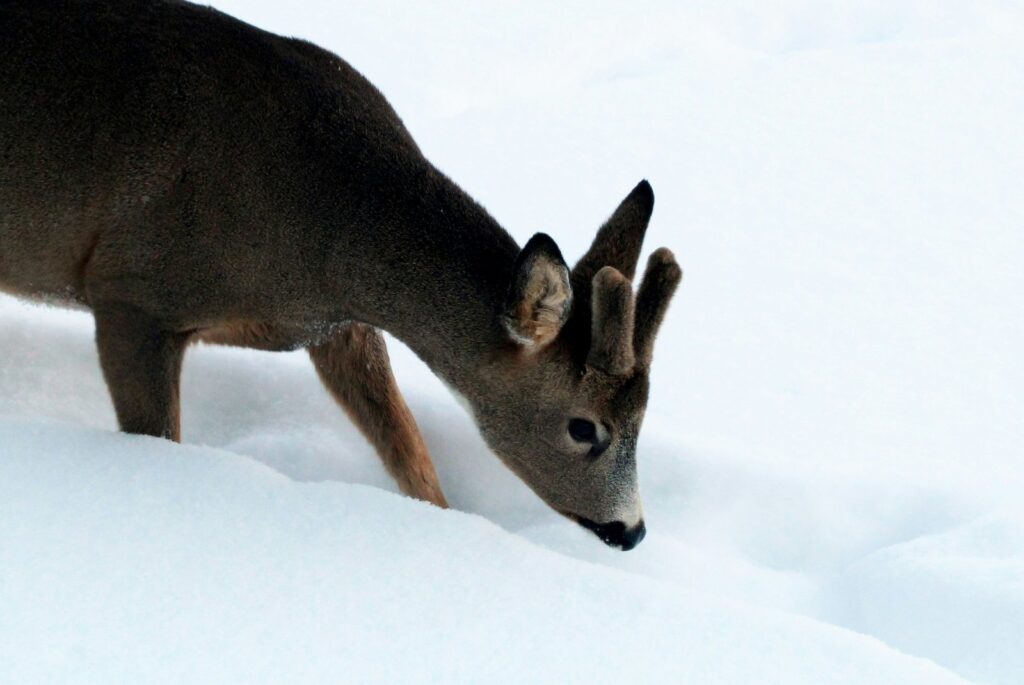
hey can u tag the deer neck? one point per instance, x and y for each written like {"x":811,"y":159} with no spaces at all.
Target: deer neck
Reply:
{"x":435,"y":274}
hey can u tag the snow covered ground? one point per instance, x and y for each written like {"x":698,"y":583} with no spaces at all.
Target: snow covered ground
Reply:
{"x":833,"y":459}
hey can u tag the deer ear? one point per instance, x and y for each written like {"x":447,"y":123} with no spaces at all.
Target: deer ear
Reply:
{"x":539,"y":297}
{"x":619,"y":240}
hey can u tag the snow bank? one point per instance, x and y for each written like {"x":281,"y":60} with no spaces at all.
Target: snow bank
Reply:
{"x":130,"y":559}
{"x":956,"y":597}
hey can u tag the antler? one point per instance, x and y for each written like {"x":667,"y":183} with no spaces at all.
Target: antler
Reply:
{"x":660,"y":282}
{"x":611,"y":336}
{"x":622,"y":331}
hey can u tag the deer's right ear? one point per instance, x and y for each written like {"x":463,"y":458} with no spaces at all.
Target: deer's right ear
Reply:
{"x":539,"y":297}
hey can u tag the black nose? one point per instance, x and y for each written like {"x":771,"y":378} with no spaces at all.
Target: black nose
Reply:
{"x":615,"y":534}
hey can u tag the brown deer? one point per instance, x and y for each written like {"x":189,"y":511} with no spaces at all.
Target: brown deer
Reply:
{"x":186,"y":176}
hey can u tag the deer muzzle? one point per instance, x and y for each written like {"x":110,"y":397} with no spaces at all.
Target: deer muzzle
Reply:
{"x":616,"y":534}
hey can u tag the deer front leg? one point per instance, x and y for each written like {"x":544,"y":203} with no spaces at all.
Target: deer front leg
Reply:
{"x":353,"y":364}
{"x":141,"y":363}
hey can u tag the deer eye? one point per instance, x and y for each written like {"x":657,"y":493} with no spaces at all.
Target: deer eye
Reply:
{"x":582,"y":430}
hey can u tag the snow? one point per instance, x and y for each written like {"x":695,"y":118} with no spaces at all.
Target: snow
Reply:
{"x":144,"y":562}
{"x":831,"y":462}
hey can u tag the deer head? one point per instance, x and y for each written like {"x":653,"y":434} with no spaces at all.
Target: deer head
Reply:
{"x":565,"y":397}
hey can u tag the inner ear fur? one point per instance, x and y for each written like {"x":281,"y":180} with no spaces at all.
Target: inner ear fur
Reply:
{"x":540,"y":297}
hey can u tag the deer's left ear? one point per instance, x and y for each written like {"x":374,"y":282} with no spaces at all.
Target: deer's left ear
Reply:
{"x":539,"y":297}
{"x":619,"y":240}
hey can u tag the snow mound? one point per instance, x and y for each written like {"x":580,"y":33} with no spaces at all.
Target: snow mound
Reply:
{"x":956,"y":597}
{"x":129,"y":559}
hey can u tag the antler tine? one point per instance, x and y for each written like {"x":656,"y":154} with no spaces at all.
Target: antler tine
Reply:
{"x":611,"y":336}
{"x":659,"y":284}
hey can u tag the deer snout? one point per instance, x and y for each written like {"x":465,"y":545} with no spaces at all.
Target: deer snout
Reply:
{"x":616,"y":534}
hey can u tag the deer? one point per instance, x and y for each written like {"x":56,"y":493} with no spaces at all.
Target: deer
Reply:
{"x":188,"y":177}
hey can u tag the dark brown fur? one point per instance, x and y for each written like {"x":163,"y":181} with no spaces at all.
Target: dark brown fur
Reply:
{"x":186,"y":176}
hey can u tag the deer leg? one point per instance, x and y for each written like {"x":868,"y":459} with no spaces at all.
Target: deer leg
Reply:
{"x":141,"y":362}
{"x":353,"y":365}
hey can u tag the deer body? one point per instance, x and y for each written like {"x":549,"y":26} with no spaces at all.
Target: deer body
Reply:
{"x":188,"y":177}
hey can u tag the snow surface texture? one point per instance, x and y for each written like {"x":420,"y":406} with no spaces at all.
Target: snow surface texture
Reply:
{"x":832,"y":459}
